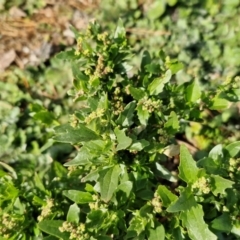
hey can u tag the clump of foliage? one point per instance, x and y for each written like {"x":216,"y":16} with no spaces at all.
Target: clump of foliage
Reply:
{"x":123,"y":183}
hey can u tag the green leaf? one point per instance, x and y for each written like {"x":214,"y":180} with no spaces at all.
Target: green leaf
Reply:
{"x":193,"y":220}
{"x":166,"y":196}
{"x":219,"y":104}
{"x":157,"y":234}
{"x":146,"y":59}
{"x":137,"y":93}
{"x":165,"y":173}
{"x":216,"y":153}
{"x":78,"y":196}
{"x":156,"y":9}
{"x":143,"y":115}
{"x":185,"y":202}
{"x":193,"y":92}
{"x":52,"y":227}
{"x":222,"y":223}
{"x":123,"y":141}
{"x":45,"y":117}
{"x":126,"y":188}
{"x":233,"y":148}
{"x":73,"y":213}
{"x":157,"y":85}
{"x":68,"y":134}
{"x":125,"y":118}
{"x":82,"y":158}
{"x":120,"y":30}
{"x":139,"y":145}
{"x":220,"y":184}
{"x":108,"y":180}
{"x":172,"y":124}
{"x":175,"y":66}
{"x":66,"y":55}
{"x":188,"y":169}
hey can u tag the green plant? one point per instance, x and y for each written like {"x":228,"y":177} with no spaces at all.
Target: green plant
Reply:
{"x":129,"y":178}
{"x":123,"y":131}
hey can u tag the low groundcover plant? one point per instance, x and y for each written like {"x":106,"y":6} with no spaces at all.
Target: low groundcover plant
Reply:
{"x":130,"y":179}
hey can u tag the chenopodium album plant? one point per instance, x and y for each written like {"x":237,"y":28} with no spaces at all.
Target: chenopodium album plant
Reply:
{"x":124,"y":135}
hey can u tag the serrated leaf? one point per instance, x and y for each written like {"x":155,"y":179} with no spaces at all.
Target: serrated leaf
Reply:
{"x":108,"y":180}
{"x":123,"y":141}
{"x":52,"y":227}
{"x":233,"y":148}
{"x":68,"y":134}
{"x":185,"y":202}
{"x":220,"y":184}
{"x":222,"y":223}
{"x":73,"y":213}
{"x":137,"y":93}
{"x":193,"y":92}
{"x":172,"y":124}
{"x":166,"y":196}
{"x":197,"y":229}
{"x":188,"y":169}
{"x":78,"y":196}
{"x":157,"y":85}
{"x":125,"y":118}
{"x":157,"y":234}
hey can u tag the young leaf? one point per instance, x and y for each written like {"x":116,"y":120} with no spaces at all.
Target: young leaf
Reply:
{"x":220,"y":184}
{"x":157,"y":85}
{"x":193,"y":92}
{"x":197,"y":229}
{"x":188,"y":169}
{"x":73,"y":213}
{"x":157,"y":234}
{"x":166,"y":196}
{"x":185,"y":202}
{"x":123,"y":141}
{"x":52,"y":227}
{"x":125,"y":118}
{"x":78,"y":196}
{"x":108,"y":180}
{"x":68,"y":134}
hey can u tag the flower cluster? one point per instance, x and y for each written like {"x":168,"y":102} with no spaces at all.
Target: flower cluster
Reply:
{"x":233,"y":167}
{"x":97,"y":204}
{"x":96,"y":114}
{"x":149,"y":104}
{"x":156,"y":203}
{"x":8,"y":223}
{"x":117,"y":102}
{"x":46,"y":210}
{"x":76,"y":231}
{"x":202,"y":186}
